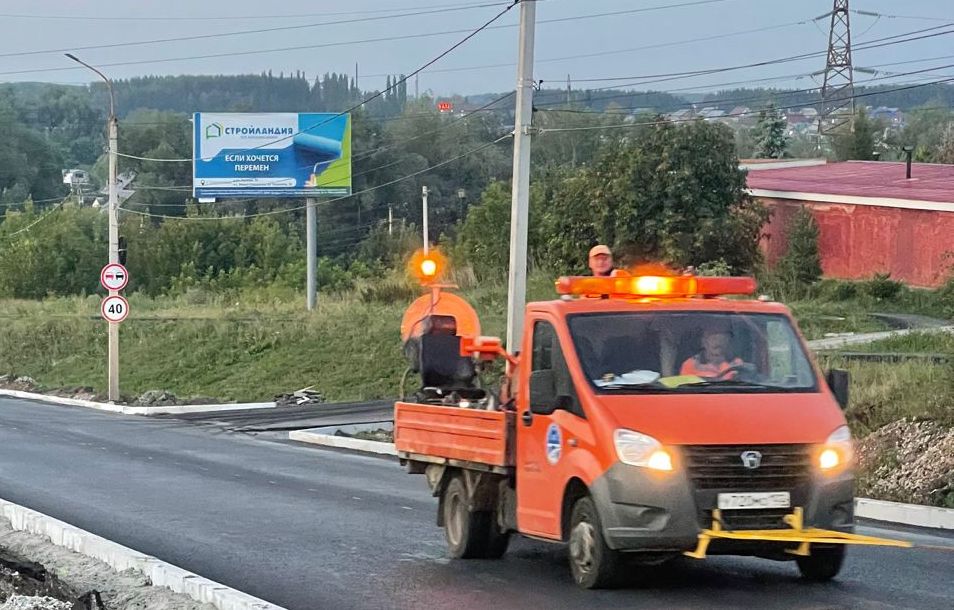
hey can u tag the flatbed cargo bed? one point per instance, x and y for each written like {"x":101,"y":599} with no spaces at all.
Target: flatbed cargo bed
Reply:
{"x":446,"y":434}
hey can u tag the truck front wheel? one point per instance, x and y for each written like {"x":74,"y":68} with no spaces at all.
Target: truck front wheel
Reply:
{"x":823,"y":564}
{"x":594,"y":565}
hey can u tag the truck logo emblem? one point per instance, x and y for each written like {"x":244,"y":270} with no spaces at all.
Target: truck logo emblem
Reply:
{"x":554,"y":444}
{"x":751,"y":459}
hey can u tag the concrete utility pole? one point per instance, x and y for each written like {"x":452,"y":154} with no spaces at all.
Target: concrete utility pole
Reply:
{"x":311,"y":252}
{"x":113,"y":212}
{"x":390,"y":220}
{"x":520,"y":205}
{"x":427,"y":243}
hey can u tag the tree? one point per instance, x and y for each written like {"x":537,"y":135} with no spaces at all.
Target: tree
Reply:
{"x":770,"y":140}
{"x":674,"y":194}
{"x":800,"y":267}
{"x":857,"y":140}
{"x":945,"y":150}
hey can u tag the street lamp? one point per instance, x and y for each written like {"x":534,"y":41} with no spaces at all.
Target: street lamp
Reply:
{"x":113,"y":212}
{"x":461,"y":195}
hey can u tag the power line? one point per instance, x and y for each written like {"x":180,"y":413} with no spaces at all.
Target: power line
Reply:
{"x":34,"y":223}
{"x":768,"y":95}
{"x":442,"y":128}
{"x":395,"y":84}
{"x":665,"y":121}
{"x":692,"y":73}
{"x":367,"y":190}
{"x":260,"y":17}
{"x":621,"y":51}
{"x":887,"y":16}
{"x":368,"y":40}
{"x":880,"y":42}
{"x":284,"y":28}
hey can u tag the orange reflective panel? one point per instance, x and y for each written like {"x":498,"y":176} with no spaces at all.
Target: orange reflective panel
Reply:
{"x":442,"y":304}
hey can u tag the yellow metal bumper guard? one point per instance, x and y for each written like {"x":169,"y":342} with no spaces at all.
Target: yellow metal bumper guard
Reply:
{"x":798,"y":534}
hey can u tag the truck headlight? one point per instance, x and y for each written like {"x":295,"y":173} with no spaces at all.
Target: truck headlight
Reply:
{"x":641,"y":450}
{"x":837,"y":451}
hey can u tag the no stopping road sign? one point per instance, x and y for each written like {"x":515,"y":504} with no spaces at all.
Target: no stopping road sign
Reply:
{"x":113,"y":277}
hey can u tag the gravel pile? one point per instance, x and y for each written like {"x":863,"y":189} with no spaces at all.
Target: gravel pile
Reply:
{"x":24,"y":602}
{"x":908,"y":461}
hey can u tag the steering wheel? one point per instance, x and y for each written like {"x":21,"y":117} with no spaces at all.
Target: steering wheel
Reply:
{"x":744,"y":370}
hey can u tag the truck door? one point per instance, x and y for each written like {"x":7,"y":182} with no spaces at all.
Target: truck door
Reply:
{"x":550,"y":419}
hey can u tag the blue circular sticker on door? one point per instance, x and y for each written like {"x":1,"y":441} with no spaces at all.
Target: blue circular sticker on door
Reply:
{"x":554,"y":443}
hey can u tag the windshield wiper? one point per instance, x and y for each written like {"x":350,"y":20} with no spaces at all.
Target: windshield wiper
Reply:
{"x":736,"y":383}
{"x":633,"y":387}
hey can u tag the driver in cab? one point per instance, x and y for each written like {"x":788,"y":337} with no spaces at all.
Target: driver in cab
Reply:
{"x":715,"y":359}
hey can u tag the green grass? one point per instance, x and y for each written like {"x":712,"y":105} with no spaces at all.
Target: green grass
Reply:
{"x":250,"y":346}
{"x":238,"y":346}
{"x":924,"y":343}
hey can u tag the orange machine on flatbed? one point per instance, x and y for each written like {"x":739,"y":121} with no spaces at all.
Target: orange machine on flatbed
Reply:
{"x":645,"y":415}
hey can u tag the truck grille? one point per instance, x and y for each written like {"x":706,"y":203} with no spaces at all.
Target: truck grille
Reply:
{"x":720,"y":467}
{"x":767,"y":519}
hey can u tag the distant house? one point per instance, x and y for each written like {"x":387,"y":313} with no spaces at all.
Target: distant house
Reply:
{"x":893,"y":116}
{"x":680,"y":115}
{"x":711,"y":113}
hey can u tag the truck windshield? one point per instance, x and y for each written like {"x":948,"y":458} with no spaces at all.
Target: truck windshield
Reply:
{"x":699,"y":352}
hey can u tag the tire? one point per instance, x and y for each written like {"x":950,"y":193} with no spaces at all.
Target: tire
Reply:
{"x":823,"y":564}
{"x":496,"y":541}
{"x":593,"y":564}
{"x":466,"y":531}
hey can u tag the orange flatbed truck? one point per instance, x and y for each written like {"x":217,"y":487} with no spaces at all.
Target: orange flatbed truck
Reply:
{"x":643,"y":417}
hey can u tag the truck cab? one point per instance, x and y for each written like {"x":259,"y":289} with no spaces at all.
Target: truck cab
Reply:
{"x":651,"y":418}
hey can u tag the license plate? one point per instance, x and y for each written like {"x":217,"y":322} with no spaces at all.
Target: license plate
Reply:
{"x":770,"y":499}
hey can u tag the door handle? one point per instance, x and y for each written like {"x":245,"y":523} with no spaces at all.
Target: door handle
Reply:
{"x":527,"y":418}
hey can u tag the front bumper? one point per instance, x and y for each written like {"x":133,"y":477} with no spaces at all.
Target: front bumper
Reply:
{"x":645,"y":510}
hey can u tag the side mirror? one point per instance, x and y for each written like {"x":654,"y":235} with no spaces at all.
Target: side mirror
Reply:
{"x":838,"y":384}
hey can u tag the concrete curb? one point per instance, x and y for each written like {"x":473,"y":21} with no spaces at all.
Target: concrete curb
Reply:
{"x":859,"y":339}
{"x":877,"y":510}
{"x":120,"y":558}
{"x":324,"y":436}
{"x":132,"y":410}
{"x":908,"y":514}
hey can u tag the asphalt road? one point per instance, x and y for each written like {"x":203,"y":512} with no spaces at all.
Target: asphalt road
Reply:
{"x":308,"y":528}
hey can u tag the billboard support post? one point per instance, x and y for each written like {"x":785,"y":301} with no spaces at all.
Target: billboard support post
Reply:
{"x":311,"y":252}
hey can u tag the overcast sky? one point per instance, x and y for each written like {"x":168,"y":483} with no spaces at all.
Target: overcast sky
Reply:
{"x":71,"y":24}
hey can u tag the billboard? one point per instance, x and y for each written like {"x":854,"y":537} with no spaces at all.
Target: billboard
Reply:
{"x":271,"y":155}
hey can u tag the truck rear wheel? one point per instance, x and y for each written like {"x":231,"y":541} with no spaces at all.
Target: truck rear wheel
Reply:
{"x":823,"y":564}
{"x":594,"y":565}
{"x":470,"y":534}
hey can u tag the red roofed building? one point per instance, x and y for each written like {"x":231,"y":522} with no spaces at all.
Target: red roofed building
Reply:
{"x":872,"y":218}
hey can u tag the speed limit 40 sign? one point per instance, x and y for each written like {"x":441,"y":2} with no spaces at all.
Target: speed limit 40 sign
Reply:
{"x":115,"y":308}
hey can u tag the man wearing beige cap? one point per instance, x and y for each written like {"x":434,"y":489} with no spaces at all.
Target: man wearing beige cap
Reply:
{"x":601,"y":261}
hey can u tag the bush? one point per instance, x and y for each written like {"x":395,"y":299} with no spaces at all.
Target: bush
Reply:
{"x":882,"y":287}
{"x":837,"y":290}
{"x":714,"y":268}
{"x":945,"y":299}
{"x":801,"y":266}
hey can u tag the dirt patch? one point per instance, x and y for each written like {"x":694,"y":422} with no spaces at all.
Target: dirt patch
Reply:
{"x":381,"y":436}
{"x":150,"y":398}
{"x":77,"y":576}
{"x":908,"y":461}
